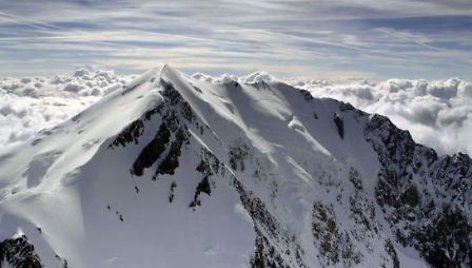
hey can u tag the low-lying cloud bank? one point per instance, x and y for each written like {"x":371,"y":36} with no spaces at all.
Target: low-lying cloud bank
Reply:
{"x":437,"y":113}
{"x":30,"y":104}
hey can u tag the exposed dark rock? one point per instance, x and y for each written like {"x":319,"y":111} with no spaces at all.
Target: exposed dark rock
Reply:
{"x":129,"y":134}
{"x":152,"y":151}
{"x":334,"y":245}
{"x":202,"y":187}
{"x":134,"y":130}
{"x":338,"y":121}
{"x":171,"y":161}
{"x":355,"y":179}
{"x":306,"y":94}
{"x":345,"y":106}
{"x":204,"y":168}
{"x":35,"y":141}
{"x":197,"y":89}
{"x":410,"y":196}
{"x":76,"y":117}
{"x":325,"y":231}
{"x":446,"y":242}
{"x":393,"y":254}
{"x":173,"y":185}
{"x":209,"y":164}
{"x":19,"y":253}
{"x":266,"y":255}
{"x":237,"y":155}
{"x":427,"y":195}
{"x":176,"y":101}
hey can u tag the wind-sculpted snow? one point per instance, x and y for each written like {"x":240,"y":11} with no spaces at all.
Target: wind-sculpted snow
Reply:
{"x":437,"y":113}
{"x":192,"y":172}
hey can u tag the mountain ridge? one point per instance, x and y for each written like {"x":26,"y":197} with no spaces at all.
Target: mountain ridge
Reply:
{"x":295,"y":178}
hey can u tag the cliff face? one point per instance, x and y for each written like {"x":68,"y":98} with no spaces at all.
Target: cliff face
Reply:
{"x":171,"y":171}
{"x":18,"y":252}
{"x":425,"y":198}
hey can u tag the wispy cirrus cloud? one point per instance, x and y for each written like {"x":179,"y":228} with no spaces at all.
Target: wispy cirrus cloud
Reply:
{"x":431,"y":39}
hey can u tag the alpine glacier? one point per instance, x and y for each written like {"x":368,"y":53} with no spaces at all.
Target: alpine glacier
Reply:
{"x":175,"y":171}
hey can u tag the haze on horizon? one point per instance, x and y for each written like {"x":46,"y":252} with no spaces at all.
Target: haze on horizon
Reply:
{"x":303,"y":38}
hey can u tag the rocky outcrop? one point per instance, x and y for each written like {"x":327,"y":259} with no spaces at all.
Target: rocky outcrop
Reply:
{"x":18,"y":253}
{"x":426,"y":198}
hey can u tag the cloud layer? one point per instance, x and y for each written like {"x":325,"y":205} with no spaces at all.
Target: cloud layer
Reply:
{"x":437,"y":113}
{"x":30,"y":104}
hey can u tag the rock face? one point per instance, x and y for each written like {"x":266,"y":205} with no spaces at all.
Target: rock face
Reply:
{"x":234,"y":174}
{"x":18,"y":252}
{"x":426,"y":198}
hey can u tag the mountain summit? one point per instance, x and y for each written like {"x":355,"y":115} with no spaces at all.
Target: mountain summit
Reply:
{"x":171,"y":171}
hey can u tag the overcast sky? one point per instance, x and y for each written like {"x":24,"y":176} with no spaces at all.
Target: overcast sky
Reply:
{"x":319,"y":38}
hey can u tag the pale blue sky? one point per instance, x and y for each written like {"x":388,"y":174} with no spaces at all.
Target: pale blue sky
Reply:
{"x":299,"y":38}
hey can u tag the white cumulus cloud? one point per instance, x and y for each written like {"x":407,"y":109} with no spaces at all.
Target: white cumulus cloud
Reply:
{"x":30,"y":104}
{"x":437,"y":113}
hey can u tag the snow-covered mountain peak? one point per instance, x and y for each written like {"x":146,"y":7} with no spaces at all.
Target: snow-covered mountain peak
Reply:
{"x":179,"y":171}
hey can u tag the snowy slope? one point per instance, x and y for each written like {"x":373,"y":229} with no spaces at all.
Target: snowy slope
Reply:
{"x":437,"y":113}
{"x":174,"y":171}
{"x":30,"y":104}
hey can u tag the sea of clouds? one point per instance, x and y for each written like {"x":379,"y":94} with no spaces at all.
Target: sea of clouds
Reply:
{"x":437,"y":113}
{"x":30,"y":104}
